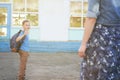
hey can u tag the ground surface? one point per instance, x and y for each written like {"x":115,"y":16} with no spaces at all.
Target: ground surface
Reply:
{"x":41,"y":66}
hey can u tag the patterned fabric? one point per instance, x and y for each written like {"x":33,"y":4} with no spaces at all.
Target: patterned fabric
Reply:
{"x":102,"y":61}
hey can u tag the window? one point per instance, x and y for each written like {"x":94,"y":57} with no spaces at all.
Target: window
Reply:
{"x":85,"y":8}
{"x":3,"y":16}
{"x":3,"y":22}
{"x":78,"y":9}
{"x":3,"y":32}
{"x":4,"y":0}
{"x":25,"y":9}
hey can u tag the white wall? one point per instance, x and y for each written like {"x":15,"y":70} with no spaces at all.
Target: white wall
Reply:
{"x":54,"y":20}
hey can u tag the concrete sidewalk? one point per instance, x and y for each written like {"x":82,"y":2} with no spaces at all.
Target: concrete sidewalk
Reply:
{"x":41,"y":66}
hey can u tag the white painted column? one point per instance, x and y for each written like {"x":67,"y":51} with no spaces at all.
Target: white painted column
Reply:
{"x":54,"y":20}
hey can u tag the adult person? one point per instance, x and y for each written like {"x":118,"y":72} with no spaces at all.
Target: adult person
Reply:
{"x":100,"y":48}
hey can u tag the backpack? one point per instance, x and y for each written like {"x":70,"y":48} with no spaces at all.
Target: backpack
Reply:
{"x":15,"y":46}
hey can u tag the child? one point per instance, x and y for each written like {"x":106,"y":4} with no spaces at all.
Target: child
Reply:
{"x":24,"y":49}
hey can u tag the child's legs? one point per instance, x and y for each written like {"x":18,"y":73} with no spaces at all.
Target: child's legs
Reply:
{"x":23,"y":61}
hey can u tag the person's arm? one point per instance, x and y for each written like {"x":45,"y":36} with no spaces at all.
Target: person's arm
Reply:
{"x":21,"y":36}
{"x":89,"y":26}
{"x":93,"y":12}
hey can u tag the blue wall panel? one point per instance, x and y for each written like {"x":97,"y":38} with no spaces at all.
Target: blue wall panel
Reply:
{"x":50,"y":47}
{"x":54,"y":46}
{"x":4,"y":46}
{"x":34,"y":33}
{"x":75,"y":34}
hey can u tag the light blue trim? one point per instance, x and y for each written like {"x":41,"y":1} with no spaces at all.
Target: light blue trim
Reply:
{"x":54,"y":47}
{"x":48,"y":47}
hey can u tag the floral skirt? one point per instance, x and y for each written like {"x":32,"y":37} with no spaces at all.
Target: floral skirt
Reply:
{"x":102,"y":61}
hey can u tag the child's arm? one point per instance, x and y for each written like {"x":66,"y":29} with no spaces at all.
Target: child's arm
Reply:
{"x":21,"y":36}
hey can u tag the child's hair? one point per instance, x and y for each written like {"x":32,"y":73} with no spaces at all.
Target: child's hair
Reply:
{"x":24,"y":21}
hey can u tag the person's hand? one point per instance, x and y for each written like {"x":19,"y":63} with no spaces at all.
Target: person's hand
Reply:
{"x":26,"y":32}
{"x":81,"y":51}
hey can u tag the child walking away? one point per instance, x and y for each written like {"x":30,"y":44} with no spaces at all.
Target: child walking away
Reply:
{"x":24,"y":48}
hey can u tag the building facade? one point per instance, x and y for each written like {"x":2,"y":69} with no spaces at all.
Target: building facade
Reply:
{"x":56,"y":25}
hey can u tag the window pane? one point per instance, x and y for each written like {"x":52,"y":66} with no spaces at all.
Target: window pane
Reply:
{"x":32,"y":5}
{"x":75,"y":22}
{"x":17,"y":19}
{"x":19,"y":5}
{"x":85,"y":8}
{"x":3,"y":32}
{"x":33,"y":19}
{"x":76,"y":8}
{"x":3,"y":16}
{"x":4,"y":0}
{"x":75,"y":12}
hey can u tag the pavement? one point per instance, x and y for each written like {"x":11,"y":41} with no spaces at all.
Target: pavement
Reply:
{"x":41,"y":66}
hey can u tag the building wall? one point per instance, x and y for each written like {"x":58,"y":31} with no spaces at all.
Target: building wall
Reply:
{"x":53,"y":20}
{"x":54,"y":27}
{"x":54,"y":23}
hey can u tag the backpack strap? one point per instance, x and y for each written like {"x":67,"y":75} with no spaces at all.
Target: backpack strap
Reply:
{"x":21,"y":41}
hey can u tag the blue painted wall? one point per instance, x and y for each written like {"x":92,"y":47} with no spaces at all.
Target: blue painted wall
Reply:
{"x":72,"y":45}
{"x":50,"y":47}
{"x":34,"y":33}
{"x":75,"y":34}
{"x":4,"y":46}
{"x":54,"y":47}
